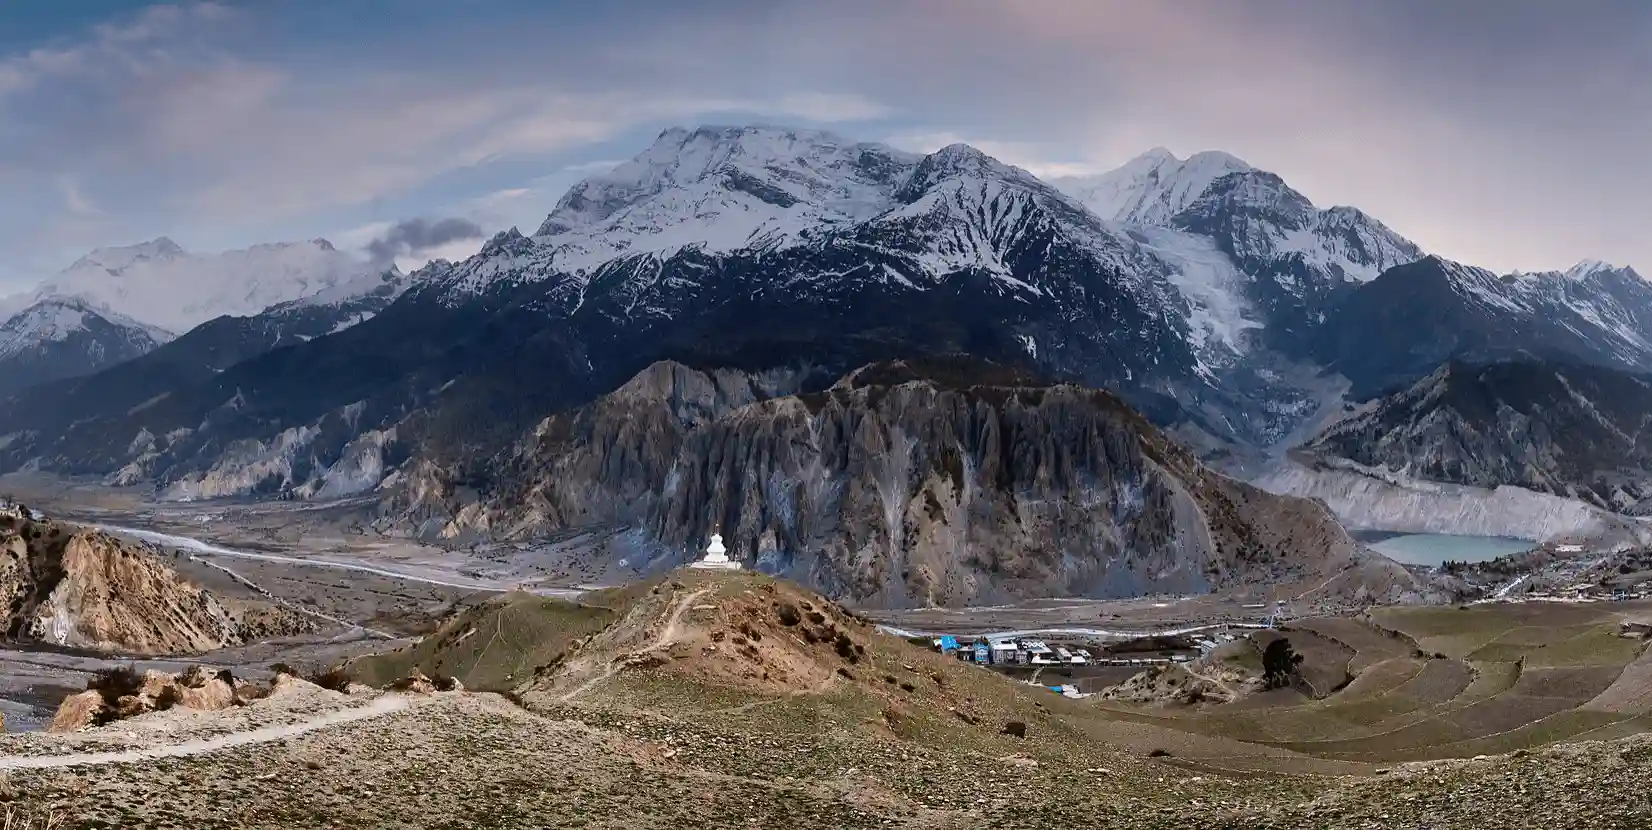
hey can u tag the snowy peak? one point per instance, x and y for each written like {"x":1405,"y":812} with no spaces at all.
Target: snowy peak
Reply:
{"x":1258,"y":192}
{"x":779,"y":166}
{"x":1152,"y":187}
{"x":159,"y":284}
{"x":1265,"y":224}
{"x":720,"y":189}
{"x":117,"y":259}
{"x":963,"y":162}
{"x":58,"y":319}
{"x":1591,"y":268}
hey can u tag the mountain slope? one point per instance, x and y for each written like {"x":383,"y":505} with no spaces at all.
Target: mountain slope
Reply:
{"x":1568,"y":430}
{"x":1398,"y":328}
{"x":45,"y":420}
{"x":1298,"y":258}
{"x":903,"y":483}
{"x":61,"y":337}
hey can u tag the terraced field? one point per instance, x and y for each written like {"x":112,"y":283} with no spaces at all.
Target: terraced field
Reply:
{"x":1426,"y":683}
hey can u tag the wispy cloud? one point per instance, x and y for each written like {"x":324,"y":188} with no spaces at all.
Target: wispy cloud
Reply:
{"x":131,"y":42}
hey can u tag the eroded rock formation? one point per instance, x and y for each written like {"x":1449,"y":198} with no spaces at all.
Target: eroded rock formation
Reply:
{"x":66,"y":586}
{"x":902,"y":484}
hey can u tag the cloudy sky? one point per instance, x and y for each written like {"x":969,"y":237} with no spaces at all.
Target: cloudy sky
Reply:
{"x":1514,"y":134}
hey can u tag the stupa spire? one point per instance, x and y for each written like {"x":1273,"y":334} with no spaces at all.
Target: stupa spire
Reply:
{"x":717,"y":556}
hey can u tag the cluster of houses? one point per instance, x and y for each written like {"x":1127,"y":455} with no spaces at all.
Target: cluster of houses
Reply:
{"x":1022,"y":651}
{"x":1017,"y":651}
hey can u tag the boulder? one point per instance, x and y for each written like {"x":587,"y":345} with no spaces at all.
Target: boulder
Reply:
{"x":131,"y":706}
{"x":77,"y":712}
{"x":416,"y":682}
{"x":291,"y":684}
{"x":212,"y":695}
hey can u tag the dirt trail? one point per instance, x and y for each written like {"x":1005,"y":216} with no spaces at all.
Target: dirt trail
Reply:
{"x":238,"y":577}
{"x":668,"y":633}
{"x":378,"y":708}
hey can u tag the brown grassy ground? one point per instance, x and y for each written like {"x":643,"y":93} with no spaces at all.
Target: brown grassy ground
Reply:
{"x":664,"y":718}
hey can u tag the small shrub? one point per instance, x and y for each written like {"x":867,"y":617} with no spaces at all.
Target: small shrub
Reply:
{"x":333,"y":680}
{"x":115,"y":683}
{"x":168,"y":698}
{"x":788,"y":614}
{"x":817,"y":618}
{"x":1159,"y":753}
{"x":908,"y":687}
{"x":845,"y":647}
{"x":1015,"y":728}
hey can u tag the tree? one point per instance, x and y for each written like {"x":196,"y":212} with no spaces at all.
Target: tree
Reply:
{"x":1279,"y":663}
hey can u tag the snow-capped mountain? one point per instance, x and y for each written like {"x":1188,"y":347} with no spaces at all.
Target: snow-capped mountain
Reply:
{"x":1296,"y":258}
{"x":721,"y":189}
{"x":1151,"y":188}
{"x":1400,"y":326}
{"x":62,"y":337}
{"x":160,"y":284}
{"x":721,"y":217}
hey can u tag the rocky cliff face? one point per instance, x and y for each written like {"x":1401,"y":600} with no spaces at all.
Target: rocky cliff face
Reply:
{"x":903,"y":483}
{"x":69,"y":587}
{"x":1563,"y":429}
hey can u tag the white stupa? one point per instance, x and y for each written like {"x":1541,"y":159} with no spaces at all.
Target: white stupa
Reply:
{"x":717,"y":557}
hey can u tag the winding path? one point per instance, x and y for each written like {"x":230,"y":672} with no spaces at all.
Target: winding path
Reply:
{"x":668,"y":634}
{"x":188,"y":544}
{"x":378,"y":708}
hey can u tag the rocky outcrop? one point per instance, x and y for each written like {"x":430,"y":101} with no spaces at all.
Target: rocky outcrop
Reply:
{"x":904,"y":483}
{"x":121,"y":693}
{"x":1562,"y":429}
{"x":66,"y":586}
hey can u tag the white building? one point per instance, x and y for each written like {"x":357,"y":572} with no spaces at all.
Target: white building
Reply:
{"x":716,"y":557}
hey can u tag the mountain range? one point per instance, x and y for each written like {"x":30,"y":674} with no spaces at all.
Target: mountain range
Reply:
{"x":115,"y":304}
{"x":1206,"y":294}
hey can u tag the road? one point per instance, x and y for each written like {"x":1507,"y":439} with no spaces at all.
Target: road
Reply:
{"x":1079,"y":632}
{"x":193,"y":545}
